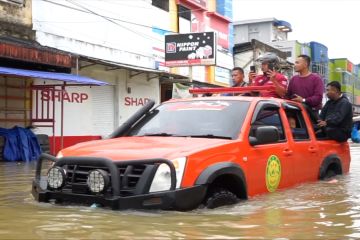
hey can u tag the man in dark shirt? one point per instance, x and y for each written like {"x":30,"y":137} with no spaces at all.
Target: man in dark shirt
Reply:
{"x":336,"y":116}
{"x":306,"y":87}
{"x":237,"y":76}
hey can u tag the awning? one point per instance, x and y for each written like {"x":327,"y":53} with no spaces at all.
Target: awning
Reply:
{"x":65,"y":77}
{"x":114,"y":65}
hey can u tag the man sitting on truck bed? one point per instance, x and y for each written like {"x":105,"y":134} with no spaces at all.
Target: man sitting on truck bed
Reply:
{"x":336,"y":116}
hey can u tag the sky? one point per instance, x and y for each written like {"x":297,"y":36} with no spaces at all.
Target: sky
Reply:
{"x":333,"y":23}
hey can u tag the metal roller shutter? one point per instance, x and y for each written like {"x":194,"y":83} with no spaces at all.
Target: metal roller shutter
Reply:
{"x":103,"y":109}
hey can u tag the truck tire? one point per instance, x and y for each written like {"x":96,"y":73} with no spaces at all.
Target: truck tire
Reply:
{"x":330,"y":167}
{"x":329,"y":174}
{"x":220,"y":197}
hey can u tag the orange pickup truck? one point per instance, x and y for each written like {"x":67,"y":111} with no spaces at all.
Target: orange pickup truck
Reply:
{"x":186,"y":153}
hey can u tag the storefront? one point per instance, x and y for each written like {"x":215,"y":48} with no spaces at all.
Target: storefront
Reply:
{"x":32,"y":79}
{"x":72,"y":108}
{"x":93,"y":112}
{"x":37,"y":99}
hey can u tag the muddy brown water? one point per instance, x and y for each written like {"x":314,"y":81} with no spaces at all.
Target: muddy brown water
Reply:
{"x":317,"y":210}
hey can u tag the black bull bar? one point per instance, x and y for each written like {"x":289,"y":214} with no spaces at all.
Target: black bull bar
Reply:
{"x":104,"y":162}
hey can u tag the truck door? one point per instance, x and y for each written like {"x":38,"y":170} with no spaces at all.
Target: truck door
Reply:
{"x":305,"y":149}
{"x":270,"y":165}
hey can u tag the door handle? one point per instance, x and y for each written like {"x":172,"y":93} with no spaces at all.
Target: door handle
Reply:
{"x":312,"y":149}
{"x":287,"y":152}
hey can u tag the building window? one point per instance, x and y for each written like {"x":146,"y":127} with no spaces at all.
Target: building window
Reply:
{"x":162,"y":4}
{"x":184,"y":12}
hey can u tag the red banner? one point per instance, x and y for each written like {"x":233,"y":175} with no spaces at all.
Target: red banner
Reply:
{"x":220,"y":25}
{"x":34,"y":55}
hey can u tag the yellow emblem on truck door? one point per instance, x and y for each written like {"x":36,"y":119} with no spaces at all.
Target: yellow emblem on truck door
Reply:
{"x":273,"y":173}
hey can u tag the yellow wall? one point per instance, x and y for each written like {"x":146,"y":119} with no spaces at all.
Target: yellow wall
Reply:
{"x":15,"y":13}
{"x":173,"y":9}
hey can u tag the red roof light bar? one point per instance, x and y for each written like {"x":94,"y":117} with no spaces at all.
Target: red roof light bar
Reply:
{"x":232,"y":89}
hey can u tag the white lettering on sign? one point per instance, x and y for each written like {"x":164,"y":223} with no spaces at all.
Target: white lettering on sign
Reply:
{"x":58,"y":95}
{"x":130,"y":101}
{"x":187,"y":46}
{"x":223,"y":36}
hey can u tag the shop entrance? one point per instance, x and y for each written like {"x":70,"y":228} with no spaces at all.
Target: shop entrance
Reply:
{"x":166,"y":91}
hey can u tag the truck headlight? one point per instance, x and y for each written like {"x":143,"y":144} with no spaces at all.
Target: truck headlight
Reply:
{"x":162,"y":178}
{"x":98,"y":180}
{"x":56,"y":177}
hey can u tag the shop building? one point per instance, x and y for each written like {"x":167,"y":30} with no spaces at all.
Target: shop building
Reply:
{"x":29,"y":70}
{"x":347,"y":73}
{"x":320,"y":60}
{"x":245,"y":55}
{"x":292,"y":48}
{"x":106,"y":41}
{"x":264,"y":30}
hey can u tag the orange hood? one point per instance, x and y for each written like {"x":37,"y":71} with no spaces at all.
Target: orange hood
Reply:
{"x":131,"y":148}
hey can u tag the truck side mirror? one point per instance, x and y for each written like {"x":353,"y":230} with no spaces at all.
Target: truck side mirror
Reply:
{"x":264,"y":135}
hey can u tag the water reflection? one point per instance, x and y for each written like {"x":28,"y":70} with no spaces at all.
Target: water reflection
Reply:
{"x":318,"y":210}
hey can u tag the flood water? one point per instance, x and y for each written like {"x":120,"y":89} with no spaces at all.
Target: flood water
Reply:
{"x":318,"y":210}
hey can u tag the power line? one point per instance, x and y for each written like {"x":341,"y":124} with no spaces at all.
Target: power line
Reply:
{"x":110,"y":19}
{"x":143,"y":7}
{"x":121,"y":20}
{"x":103,"y":44}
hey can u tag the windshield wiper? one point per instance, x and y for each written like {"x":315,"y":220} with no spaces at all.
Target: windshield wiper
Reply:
{"x":159,"y":134}
{"x":209,"y":136}
{"x":175,"y":135}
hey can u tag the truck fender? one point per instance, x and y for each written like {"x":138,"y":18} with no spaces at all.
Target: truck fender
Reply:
{"x":225,"y":168}
{"x":331,"y":159}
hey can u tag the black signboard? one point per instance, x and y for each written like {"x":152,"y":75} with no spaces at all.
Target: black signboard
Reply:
{"x":190,"y":49}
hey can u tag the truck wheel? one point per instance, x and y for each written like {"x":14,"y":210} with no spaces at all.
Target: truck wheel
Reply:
{"x":330,"y":168}
{"x":220,"y":197}
{"x":329,"y":174}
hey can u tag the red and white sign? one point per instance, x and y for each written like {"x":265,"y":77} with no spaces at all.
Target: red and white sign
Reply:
{"x":133,"y":101}
{"x":59,"y":95}
{"x":220,"y":25}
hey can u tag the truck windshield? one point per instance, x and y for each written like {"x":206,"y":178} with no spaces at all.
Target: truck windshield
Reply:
{"x":198,"y":118}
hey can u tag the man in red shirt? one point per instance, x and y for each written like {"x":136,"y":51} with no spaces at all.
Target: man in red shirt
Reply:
{"x":270,"y":77}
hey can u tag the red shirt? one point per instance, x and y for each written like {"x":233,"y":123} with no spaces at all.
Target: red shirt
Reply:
{"x":263,"y":80}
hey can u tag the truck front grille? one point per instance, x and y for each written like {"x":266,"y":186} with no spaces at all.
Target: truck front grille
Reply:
{"x":130,"y":175}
